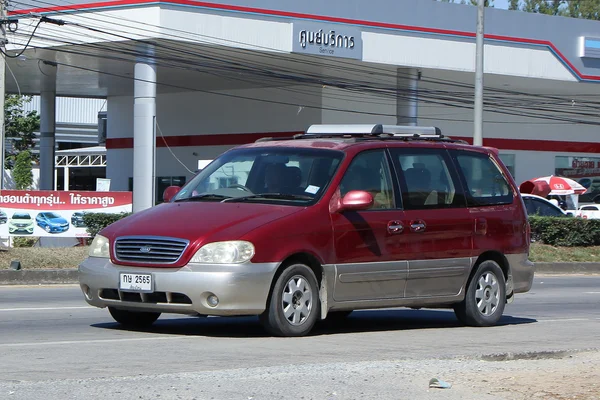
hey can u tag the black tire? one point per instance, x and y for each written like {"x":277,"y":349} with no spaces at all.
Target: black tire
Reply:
{"x":303,"y":305}
{"x":485,"y":297}
{"x":133,"y":319}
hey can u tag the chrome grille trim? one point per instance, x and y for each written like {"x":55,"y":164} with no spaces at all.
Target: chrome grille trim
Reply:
{"x":163,"y":250}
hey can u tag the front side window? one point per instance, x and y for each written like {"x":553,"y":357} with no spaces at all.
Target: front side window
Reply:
{"x":369,"y":171}
{"x":484,"y":182}
{"x":289,"y":175}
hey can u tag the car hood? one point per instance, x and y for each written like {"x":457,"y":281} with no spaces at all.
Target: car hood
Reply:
{"x":57,"y":221}
{"x":199,"y":222}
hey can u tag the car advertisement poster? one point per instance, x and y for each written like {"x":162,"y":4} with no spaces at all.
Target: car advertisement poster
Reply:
{"x":55,"y":213}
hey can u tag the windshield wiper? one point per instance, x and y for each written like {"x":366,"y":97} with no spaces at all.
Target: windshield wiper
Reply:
{"x":202,"y":197}
{"x":276,"y":196}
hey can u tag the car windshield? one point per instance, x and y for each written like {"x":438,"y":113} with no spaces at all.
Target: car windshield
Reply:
{"x":269,"y":174}
{"x":52,"y":215}
{"x":21,"y":216}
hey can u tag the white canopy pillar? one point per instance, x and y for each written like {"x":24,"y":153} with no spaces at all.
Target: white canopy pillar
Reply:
{"x":47,"y":125}
{"x":144,"y":133}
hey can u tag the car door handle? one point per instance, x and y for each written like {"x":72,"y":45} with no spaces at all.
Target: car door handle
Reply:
{"x":395,"y":227}
{"x":417,"y":226}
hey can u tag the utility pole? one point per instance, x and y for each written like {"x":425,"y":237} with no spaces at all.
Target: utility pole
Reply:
{"x":3,"y":24}
{"x":478,"y":106}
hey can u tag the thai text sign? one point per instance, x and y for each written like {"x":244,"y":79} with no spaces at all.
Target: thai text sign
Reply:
{"x":55,"y":213}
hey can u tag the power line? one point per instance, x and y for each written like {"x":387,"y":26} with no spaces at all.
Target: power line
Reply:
{"x":359,"y":87}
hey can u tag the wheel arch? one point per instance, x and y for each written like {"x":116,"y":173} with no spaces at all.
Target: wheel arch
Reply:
{"x":502,"y":262}
{"x":310,"y":260}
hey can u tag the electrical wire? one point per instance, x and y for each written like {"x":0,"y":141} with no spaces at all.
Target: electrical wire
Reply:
{"x":359,"y":87}
{"x":13,"y":75}
{"x":26,"y":45}
{"x":169,"y":148}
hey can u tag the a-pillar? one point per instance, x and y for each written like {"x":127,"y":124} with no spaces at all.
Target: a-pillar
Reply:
{"x":47,"y":125}
{"x":144,"y":134}
{"x":407,"y":100}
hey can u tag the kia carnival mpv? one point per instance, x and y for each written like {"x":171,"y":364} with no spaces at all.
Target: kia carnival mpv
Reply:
{"x":341,"y":218}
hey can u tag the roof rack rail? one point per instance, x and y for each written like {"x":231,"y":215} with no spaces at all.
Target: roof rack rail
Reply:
{"x":358,"y":130}
{"x":369,"y":132}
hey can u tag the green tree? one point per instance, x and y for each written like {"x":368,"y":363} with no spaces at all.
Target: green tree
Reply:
{"x":486,"y":3}
{"x":550,"y":7}
{"x":22,"y":173}
{"x":513,"y":5}
{"x":19,"y":126}
{"x":587,"y":9}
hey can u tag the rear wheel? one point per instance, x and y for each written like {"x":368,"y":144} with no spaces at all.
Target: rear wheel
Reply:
{"x":485,"y":297}
{"x":293,"y":307}
{"x":133,"y":319}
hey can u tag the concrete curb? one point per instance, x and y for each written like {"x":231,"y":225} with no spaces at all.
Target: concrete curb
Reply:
{"x":38,"y":276}
{"x":70,"y":276}
{"x":568,"y":268}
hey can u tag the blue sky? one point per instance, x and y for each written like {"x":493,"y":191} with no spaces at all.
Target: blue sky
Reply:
{"x":501,"y":4}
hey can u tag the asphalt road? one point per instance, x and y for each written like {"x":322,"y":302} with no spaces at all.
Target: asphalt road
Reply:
{"x":54,"y":346}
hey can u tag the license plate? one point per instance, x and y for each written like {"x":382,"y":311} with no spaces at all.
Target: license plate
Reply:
{"x":135,"y":282}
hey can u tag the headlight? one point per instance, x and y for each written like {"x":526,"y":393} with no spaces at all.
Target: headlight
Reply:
{"x":232,"y":252}
{"x":99,"y":247}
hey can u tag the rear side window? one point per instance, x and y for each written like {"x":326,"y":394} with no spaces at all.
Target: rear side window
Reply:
{"x":484,"y":182}
{"x":427,"y":179}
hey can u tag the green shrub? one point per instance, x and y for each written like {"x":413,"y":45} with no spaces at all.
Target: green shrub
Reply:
{"x":95,"y":222}
{"x":24,"y":241}
{"x":568,"y":232}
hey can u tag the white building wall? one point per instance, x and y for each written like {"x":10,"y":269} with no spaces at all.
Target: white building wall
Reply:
{"x":192,"y":114}
{"x":456,"y":55}
{"x":528,"y":164}
{"x":365,"y":108}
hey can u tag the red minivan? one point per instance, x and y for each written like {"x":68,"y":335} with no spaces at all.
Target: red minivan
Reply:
{"x":341,"y":218}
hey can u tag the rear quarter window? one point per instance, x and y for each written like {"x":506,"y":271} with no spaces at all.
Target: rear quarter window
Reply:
{"x":483,"y":180}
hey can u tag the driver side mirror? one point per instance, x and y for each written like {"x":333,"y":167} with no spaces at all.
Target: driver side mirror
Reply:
{"x":170,"y":192}
{"x":355,"y":200}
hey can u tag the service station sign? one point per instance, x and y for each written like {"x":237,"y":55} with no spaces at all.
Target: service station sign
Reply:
{"x":326,"y":40}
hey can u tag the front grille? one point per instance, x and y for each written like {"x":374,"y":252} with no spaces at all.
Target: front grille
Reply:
{"x":150,"y":250}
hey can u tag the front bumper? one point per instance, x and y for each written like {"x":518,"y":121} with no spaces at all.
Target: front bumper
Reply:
{"x":58,"y":228}
{"x":23,"y":229}
{"x":241,"y":289}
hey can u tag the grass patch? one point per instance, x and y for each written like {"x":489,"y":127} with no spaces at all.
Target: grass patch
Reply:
{"x":70,"y":257}
{"x":44,"y":258}
{"x":546,"y":253}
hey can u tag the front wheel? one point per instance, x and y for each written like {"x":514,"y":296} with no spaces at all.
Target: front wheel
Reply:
{"x":133,"y":319}
{"x":485,"y":297}
{"x":293,"y":307}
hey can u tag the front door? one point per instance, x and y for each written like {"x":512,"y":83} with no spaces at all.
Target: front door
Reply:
{"x":369,"y":245}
